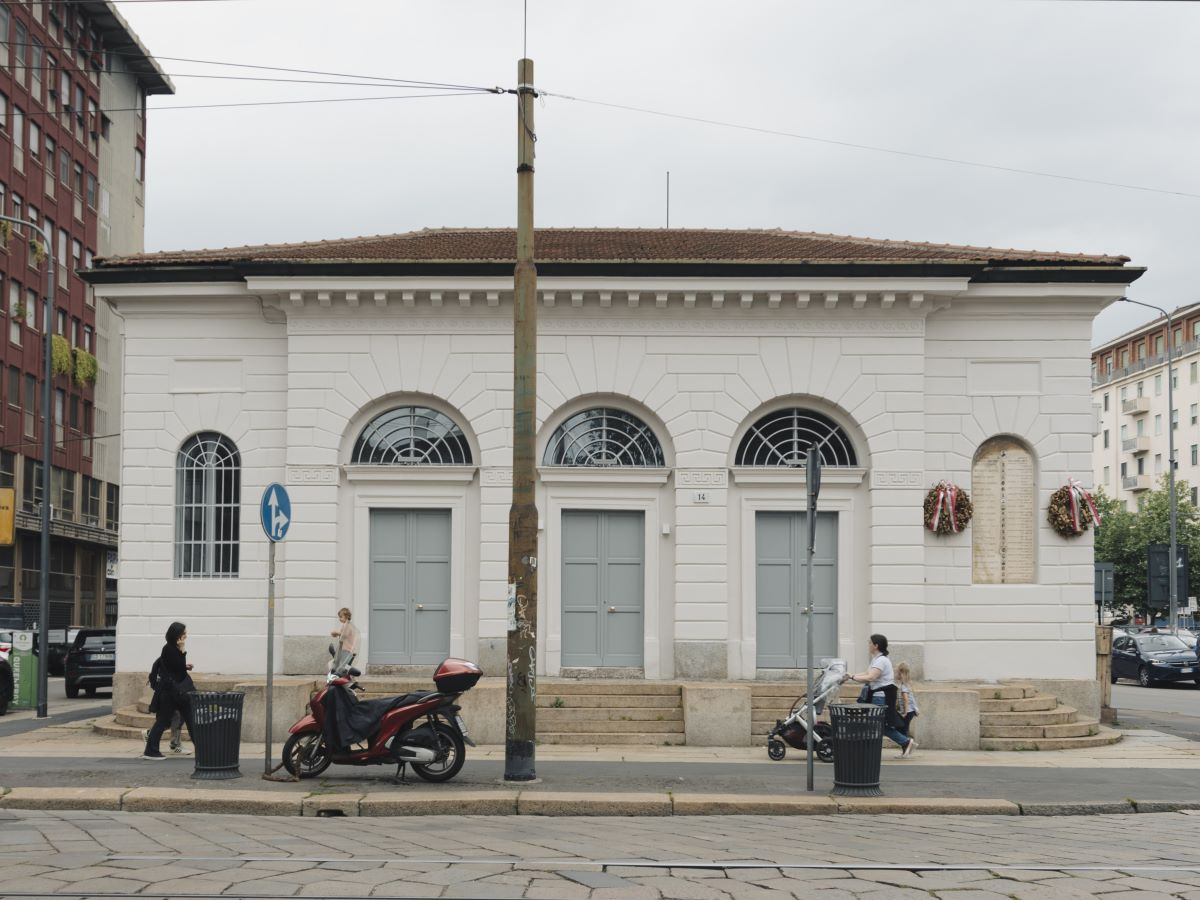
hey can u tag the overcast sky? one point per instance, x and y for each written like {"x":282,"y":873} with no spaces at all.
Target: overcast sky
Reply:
{"x":1095,"y":89}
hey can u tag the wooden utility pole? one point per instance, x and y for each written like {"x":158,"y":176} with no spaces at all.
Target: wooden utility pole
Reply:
{"x":521,"y":718}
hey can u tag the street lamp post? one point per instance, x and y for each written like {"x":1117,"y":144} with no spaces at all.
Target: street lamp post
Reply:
{"x":47,"y":450}
{"x":1173,"y":578}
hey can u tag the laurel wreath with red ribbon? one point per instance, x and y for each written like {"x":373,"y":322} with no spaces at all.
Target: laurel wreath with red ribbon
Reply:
{"x":947,"y":508}
{"x":1072,"y":509}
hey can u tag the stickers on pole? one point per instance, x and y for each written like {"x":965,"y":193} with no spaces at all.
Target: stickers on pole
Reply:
{"x":275,"y":512}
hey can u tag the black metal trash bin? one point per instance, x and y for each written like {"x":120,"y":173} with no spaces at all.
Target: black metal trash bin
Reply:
{"x":215,"y":724}
{"x":857,"y":748}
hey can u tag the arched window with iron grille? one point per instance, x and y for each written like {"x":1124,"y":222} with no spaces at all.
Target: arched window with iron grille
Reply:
{"x":604,"y":437}
{"x":412,"y":436}
{"x":208,"y":491}
{"x":782,"y":439}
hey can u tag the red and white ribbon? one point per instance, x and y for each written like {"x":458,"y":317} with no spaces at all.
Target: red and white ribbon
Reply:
{"x":1081,"y":499}
{"x":946,"y":500}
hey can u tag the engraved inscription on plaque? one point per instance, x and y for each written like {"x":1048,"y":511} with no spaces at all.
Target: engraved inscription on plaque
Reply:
{"x":1003,"y":528}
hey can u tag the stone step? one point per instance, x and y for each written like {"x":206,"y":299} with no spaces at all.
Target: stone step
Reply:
{"x":1058,"y":716}
{"x":109,"y":727}
{"x":1102,"y":738}
{"x":134,"y":718}
{"x":570,"y":687}
{"x":1005,"y":691}
{"x":575,"y":716}
{"x":609,"y":728}
{"x":1081,"y":728}
{"x":1040,"y":703}
{"x":547,"y":699}
{"x":607,"y":739}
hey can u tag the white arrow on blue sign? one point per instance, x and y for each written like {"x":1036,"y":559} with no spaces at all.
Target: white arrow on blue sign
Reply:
{"x":275,"y":511}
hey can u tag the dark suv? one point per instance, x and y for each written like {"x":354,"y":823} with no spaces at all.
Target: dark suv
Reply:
{"x":91,"y":661}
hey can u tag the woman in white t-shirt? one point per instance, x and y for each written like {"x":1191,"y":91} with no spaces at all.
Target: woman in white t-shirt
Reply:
{"x":881,"y":684}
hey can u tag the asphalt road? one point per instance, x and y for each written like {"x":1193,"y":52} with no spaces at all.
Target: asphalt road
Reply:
{"x":786,"y":778}
{"x":60,"y":709}
{"x":1173,"y":708}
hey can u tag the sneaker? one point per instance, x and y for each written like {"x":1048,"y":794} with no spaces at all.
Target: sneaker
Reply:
{"x":181,"y":750}
{"x":154,"y":755}
{"x":908,"y":750}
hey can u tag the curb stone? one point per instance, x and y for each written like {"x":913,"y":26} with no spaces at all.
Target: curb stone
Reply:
{"x":1161,"y":806}
{"x":63,"y":798}
{"x":751,"y":805}
{"x":567,"y":803}
{"x":929,"y":806}
{"x":439,"y":803}
{"x":237,"y":802}
{"x":543,"y":803}
{"x":337,"y":804}
{"x":1078,"y":808}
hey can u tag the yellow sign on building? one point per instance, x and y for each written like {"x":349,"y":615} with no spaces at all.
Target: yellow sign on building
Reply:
{"x":8,"y":507}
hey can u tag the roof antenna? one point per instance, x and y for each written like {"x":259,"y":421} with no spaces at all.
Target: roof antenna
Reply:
{"x":668,"y":198}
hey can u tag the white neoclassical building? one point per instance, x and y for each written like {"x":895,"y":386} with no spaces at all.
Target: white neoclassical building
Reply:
{"x":682,"y":376}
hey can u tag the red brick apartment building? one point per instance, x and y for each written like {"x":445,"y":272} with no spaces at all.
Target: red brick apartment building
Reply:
{"x":73,"y":85}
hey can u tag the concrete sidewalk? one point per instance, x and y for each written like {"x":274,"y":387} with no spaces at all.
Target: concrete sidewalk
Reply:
{"x":66,"y":765}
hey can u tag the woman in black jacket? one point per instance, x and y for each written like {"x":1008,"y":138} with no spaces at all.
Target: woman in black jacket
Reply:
{"x":170,"y":694}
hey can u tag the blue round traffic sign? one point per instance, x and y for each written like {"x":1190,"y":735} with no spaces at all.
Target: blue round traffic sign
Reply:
{"x":275,"y":511}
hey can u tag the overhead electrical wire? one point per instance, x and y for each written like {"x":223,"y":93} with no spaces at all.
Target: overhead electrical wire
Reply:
{"x":271,"y":103}
{"x":396,"y":82}
{"x":870,"y":147}
{"x":458,"y":90}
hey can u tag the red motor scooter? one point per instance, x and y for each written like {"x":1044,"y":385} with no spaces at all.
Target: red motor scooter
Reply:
{"x":423,"y":729}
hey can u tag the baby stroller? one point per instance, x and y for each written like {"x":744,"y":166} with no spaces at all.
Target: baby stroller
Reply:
{"x":793,"y":730}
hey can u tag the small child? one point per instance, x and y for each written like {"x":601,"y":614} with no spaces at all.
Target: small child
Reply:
{"x":906,"y":700}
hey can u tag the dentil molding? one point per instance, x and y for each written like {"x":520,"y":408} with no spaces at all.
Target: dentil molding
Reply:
{"x":555,"y":325}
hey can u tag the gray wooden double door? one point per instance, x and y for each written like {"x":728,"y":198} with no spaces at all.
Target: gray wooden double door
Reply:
{"x":781,"y":588}
{"x":603,"y":588}
{"x":410,"y":586}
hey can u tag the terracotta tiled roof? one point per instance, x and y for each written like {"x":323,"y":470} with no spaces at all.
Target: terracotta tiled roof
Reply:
{"x":612,"y":245}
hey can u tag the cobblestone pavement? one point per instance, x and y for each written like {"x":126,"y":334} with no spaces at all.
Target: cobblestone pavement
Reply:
{"x":93,"y":854}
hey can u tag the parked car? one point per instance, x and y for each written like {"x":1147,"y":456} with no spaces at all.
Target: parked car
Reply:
{"x":6,"y":676}
{"x":59,"y":643}
{"x":1151,"y":658}
{"x":91,"y":661}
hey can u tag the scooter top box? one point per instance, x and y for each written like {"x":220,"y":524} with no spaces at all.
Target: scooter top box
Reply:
{"x":454,"y":676}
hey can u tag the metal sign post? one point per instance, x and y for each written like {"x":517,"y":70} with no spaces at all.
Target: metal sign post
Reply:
{"x":812,"y":473}
{"x":1105,"y":572}
{"x":275,"y":513}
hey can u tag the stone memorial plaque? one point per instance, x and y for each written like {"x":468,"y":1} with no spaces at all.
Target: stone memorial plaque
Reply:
{"x":1003,"y":528}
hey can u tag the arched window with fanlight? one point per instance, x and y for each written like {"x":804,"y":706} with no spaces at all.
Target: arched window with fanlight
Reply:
{"x":782,"y":439}
{"x":412,"y":436}
{"x":604,"y":437}
{"x":208,"y":491}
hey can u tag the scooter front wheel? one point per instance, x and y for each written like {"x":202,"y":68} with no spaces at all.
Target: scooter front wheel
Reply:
{"x":306,"y":755}
{"x":451,"y":749}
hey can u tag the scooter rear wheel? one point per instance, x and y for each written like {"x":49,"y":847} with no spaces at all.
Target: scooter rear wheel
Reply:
{"x":451,"y":744}
{"x":305,"y":755}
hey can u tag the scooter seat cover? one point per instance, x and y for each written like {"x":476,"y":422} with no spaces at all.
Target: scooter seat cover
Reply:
{"x":349,"y":720}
